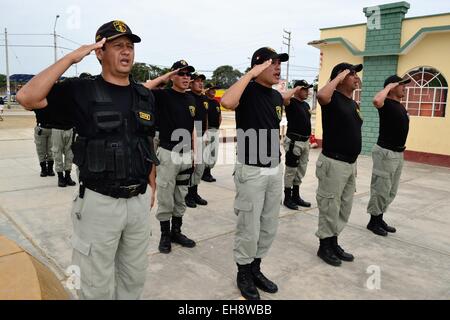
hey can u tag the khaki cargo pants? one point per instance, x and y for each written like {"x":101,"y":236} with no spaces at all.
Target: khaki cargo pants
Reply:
{"x":257,"y":206}
{"x":212,"y":148}
{"x":62,"y":146}
{"x":293,"y":176}
{"x":387,"y":169}
{"x":200,"y":162}
{"x":43,"y":142}
{"x":110,"y":243}
{"x":334,"y":195}
{"x":171,"y":196}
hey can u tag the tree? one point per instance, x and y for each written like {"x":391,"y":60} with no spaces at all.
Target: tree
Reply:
{"x":2,"y":80}
{"x":142,"y":72}
{"x":225,"y":76}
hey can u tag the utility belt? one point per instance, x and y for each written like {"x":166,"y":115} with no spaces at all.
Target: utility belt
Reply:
{"x":124,"y":192}
{"x":44,"y":125}
{"x":390,"y":147}
{"x":170,"y":146}
{"x":297,"y":137}
{"x":60,"y":127}
{"x":339,"y":157}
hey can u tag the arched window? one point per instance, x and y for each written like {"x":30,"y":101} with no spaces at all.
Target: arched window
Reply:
{"x":426,"y":94}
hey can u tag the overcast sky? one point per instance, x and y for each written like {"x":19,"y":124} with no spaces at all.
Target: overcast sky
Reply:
{"x":205,"y":33}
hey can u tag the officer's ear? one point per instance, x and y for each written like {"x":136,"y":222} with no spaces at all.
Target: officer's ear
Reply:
{"x":99,"y":54}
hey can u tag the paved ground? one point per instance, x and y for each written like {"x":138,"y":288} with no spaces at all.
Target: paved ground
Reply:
{"x":413,"y":264}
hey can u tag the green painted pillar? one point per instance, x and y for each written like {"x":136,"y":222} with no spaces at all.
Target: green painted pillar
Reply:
{"x":383,"y":38}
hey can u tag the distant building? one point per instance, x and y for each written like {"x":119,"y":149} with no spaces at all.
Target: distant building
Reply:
{"x":389,"y":43}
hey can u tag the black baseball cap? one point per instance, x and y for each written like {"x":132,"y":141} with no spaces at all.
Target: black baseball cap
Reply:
{"x":85,"y":75}
{"x":210,"y":86}
{"x":344,"y":66}
{"x":263,"y":54}
{"x":196,"y":75}
{"x":114,"y":29}
{"x":182,"y":64}
{"x":302,"y":83}
{"x":395,"y":78}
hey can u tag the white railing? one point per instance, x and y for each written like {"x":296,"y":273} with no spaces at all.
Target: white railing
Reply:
{"x":426,"y":101}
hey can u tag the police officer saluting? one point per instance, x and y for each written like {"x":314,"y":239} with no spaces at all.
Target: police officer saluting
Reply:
{"x":201,"y":126}
{"x":214,"y":121}
{"x":113,"y":117}
{"x":176,"y":111}
{"x":296,"y":144}
{"x":43,"y":142}
{"x":258,"y":174}
{"x":387,"y":153}
{"x":336,"y":165}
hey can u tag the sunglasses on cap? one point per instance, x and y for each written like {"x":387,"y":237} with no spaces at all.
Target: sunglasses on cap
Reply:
{"x":184,"y":73}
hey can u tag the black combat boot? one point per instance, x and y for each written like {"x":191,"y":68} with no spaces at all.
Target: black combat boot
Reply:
{"x":288,"y":202}
{"x":297,"y":199}
{"x":260,"y":280}
{"x":245,"y":282}
{"x":69,"y":180}
{"x":326,"y":253}
{"x":61,"y":180}
{"x":50,"y":171}
{"x":207,"y":175}
{"x":375,"y":225}
{"x":199,"y":200}
{"x":43,"y":169}
{"x":339,"y":252}
{"x":165,"y":245}
{"x":189,"y":199}
{"x":386,"y":227}
{"x":177,"y":236}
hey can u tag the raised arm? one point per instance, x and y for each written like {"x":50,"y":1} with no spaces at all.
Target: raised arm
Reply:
{"x":151,"y":84}
{"x":287,"y":95}
{"x":34,"y":94}
{"x":378,"y":100}
{"x":230,"y":99}
{"x":324,"y":95}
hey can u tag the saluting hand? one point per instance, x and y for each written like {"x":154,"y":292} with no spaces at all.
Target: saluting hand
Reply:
{"x":259,"y":68}
{"x":78,"y":55}
{"x":341,"y":76}
{"x":166,"y":77}
{"x":391,"y":86}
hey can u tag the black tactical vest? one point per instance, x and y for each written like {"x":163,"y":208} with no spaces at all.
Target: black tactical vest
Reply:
{"x":110,"y":149}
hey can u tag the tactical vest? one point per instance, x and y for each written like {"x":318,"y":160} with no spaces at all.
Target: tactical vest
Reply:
{"x":111,"y":149}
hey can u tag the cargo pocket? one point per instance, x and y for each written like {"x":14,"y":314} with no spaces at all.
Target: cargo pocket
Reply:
{"x":380,"y":182}
{"x":244,"y":209}
{"x":320,"y":169}
{"x":82,"y":258}
{"x":324,"y":200}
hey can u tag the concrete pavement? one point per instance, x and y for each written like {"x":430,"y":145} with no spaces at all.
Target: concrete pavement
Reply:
{"x":411,"y":264}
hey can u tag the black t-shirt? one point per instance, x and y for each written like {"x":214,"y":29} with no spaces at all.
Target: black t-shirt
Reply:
{"x":201,"y":112}
{"x":174,"y":110}
{"x":214,"y":114}
{"x":341,"y":123}
{"x":299,"y":117}
{"x":43,"y":117}
{"x":67,"y":101}
{"x":394,"y":124}
{"x":258,"y":119}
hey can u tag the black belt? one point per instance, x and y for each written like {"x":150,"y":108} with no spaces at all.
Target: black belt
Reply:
{"x":390,"y":147}
{"x":124,"y":192}
{"x":339,"y":157}
{"x":44,"y":126}
{"x":297,"y":137}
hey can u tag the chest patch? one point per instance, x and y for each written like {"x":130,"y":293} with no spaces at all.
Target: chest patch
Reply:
{"x":192,"y":110}
{"x":145,"y":116}
{"x":278,"y":110}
